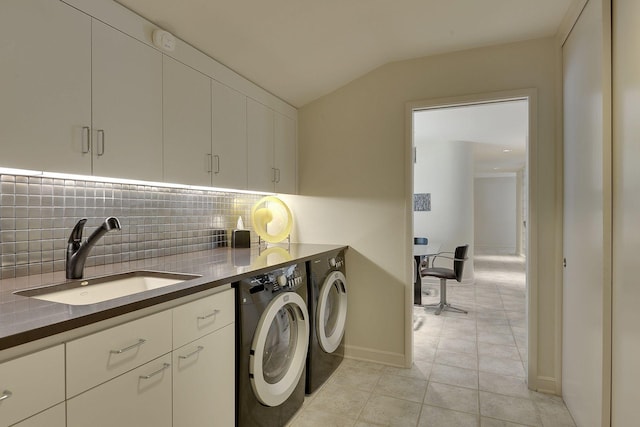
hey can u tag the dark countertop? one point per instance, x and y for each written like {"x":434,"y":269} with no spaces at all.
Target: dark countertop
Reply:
{"x":24,"y":319}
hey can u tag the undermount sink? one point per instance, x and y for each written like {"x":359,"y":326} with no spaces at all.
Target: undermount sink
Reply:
{"x":99,"y":289}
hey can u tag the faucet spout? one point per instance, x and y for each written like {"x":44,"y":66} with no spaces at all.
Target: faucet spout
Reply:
{"x":77,"y":251}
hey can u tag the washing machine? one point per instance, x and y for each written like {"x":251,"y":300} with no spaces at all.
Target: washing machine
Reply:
{"x":327,"y":292}
{"x":272,"y":341}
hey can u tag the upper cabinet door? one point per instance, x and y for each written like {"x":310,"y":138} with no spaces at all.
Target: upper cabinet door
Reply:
{"x":285,"y":158}
{"x":45,"y":86}
{"x":262,"y":173}
{"x":186,"y":105}
{"x":229,"y":137}
{"x":127,"y":106}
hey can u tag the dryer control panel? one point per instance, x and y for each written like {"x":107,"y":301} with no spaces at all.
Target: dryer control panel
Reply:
{"x":283,"y":279}
{"x":336,"y":262}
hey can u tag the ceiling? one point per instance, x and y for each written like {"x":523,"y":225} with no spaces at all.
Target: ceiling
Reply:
{"x":300,"y":50}
{"x":497,"y":130}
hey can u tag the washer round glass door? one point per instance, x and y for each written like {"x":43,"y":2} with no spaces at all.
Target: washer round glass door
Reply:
{"x":279,"y":349}
{"x":332,"y":311}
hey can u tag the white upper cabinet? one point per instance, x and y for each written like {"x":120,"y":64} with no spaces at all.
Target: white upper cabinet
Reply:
{"x":83,"y":90}
{"x":272,"y":149}
{"x":260,"y":126}
{"x":229,"y":160}
{"x":45,"y":86}
{"x":127,"y":106}
{"x":186,"y":105}
{"x":285,"y":158}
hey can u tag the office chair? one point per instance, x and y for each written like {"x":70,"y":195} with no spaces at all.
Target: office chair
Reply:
{"x":444,"y":274}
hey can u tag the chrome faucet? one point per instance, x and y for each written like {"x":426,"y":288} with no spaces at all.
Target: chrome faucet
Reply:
{"x":77,"y":251}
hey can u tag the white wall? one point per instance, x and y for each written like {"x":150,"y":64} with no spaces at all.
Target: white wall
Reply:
{"x":495,"y":213}
{"x":625,"y":409}
{"x":585,"y":216}
{"x":445,"y":170}
{"x":353,"y":173}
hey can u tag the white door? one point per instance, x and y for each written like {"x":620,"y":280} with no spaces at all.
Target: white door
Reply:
{"x":186,"y":124}
{"x":332,"y":311}
{"x":582,"y":336}
{"x":45,"y":86}
{"x":260,"y":126}
{"x":229,"y":137}
{"x":625,"y":409}
{"x":279,"y":349}
{"x":127,"y":106}
{"x":285,"y":154}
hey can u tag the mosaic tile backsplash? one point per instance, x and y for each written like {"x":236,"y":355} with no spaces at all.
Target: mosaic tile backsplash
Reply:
{"x":37,"y":215}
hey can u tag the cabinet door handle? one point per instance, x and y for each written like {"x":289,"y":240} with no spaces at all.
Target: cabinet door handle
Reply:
{"x":217,"y":164}
{"x":278,"y":173}
{"x":193,"y":353}
{"x":5,"y":395}
{"x":86,"y":144}
{"x":273,"y":178}
{"x":209,"y":163}
{"x":131,"y":347}
{"x":210,"y":315}
{"x":100,"y":133}
{"x":154,"y":373}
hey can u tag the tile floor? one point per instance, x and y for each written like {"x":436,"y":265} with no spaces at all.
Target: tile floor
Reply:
{"x":469,"y":370}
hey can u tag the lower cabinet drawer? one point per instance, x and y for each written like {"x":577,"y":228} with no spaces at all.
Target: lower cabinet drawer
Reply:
{"x":198,"y":318}
{"x":204,"y":381}
{"x":98,"y":357}
{"x":30,"y":384}
{"x":52,"y":417}
{"x":140,"y":398}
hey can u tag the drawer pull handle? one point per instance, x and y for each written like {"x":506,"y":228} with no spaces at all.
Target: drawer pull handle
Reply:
{"x":210,"y":315}
{"x":193,"y":353}
{"x":131,"y":347}
{"x":153,"y":374}
{"x":5,"y":395}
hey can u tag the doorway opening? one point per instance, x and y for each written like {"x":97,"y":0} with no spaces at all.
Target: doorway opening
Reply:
{"x":470,"y":169}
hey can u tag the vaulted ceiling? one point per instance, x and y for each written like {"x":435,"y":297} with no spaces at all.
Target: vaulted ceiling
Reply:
{"x":300,"y":50}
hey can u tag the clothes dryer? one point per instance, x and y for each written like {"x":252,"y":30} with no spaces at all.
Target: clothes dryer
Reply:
{"x":272,"y":342}
{"x":327,"y":294}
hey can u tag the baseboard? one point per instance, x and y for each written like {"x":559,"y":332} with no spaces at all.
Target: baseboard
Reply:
{"x":546,"y":385}
{"x":372,"y":355}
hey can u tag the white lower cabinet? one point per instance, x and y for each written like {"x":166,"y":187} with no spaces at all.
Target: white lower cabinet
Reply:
{"x":141,"y":397}
{"x":52,"y":417}
{"x":204,"y":381}
{"x":112,"y":381}
{"x":30,"y":384}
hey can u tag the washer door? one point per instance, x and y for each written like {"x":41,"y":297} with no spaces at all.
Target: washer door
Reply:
{"x":332,"y":311}
{"x":279,"y":349}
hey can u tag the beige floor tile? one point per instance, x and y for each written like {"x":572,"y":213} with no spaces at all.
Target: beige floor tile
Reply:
{"x":454,"y":376}
{"x":501,"y":384}
{"x":420,"y":370}
{"x":501,"y":366}
{"x":501,"y":351}
{"x":494,"y":338}
{"x":491,"y":422}
{"x":552,"y":411}
{"x":460,"y":360}
{"x":314,"y":418}
{"x":452,"y":397}
{"x":457,"y":345}
{"x":509,"y":408}
{"x":401,"y":387}
{"x":342,"y":401}
{"x":353,"y":376}
{"x":439,"y":417}
{"x":389,"y":411}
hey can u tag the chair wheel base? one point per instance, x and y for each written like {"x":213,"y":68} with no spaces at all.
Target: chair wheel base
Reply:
{"x":443,"y":306}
